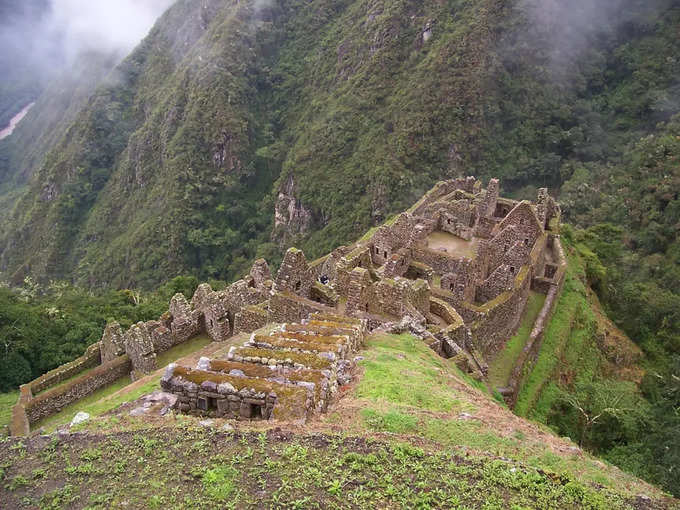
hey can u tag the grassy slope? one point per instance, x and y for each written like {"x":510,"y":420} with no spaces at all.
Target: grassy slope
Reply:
{"x":436,"y":460}
{"x":7,"y":400}
{"x":568,"y":346}
{"x":501,"y":367}
{"x":407,"y":389}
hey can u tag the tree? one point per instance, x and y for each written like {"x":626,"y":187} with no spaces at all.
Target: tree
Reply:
{"x":599,"y":401}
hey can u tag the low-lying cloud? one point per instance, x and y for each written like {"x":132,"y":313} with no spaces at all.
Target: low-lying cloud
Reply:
{"x":50,"y":35}
{"x":107,"y":26}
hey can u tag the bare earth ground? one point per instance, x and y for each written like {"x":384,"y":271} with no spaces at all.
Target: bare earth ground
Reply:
{"x":453,"y":245}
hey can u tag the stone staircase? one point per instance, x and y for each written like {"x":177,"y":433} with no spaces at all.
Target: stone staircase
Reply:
{"x":288,"y":374}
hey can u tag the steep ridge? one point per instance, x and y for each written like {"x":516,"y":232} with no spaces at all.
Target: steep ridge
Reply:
{"x":238,"y":128}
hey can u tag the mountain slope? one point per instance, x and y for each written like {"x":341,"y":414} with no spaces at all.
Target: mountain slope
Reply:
{"x":336,"y":115}
{"x":157,"y":161}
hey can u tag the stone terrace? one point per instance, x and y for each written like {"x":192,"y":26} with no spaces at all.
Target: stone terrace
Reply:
{"x":288,"y":374}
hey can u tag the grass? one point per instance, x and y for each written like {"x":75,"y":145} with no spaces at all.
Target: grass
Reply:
{"x":97,"y":403}
{"x":181,"y":350}
{"x":401,"y":369}
{"x":7,"y":401}
{"x":571,"y":307}
{"x":407,"y":389}
{"x":502,"y":366}
{"x":437,"y":461}
{"x":199,"y":468}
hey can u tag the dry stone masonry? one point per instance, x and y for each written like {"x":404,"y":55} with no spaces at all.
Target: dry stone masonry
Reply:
{"x":288,"y":374}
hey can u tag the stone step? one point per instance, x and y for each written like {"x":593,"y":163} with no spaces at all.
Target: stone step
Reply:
{"x":229,"y":396}
{"x":277,"y":342}
{"x":321,"y":339}
{"x":326,"y":316}
{"x":324,"y":388}
{"x":271,"y":357}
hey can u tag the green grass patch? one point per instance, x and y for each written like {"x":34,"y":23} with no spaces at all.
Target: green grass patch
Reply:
{"x":219,"y":482}
{"x":392,"y":421}
{"x":569,"y":309}
{"x":502,"y":366}
{"x":401,"y":369}
{"x":7,"y":401}
{"x":181,"y":350}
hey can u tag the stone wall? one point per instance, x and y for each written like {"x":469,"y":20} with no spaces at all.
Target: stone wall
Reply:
{"x":500,"y":281}
{"x":287,"y":307}
{"x":235,"y":397}
{"x":140,"y":349}
{"x":440,"y":261}
{"x":393,"y":296}
{"x":250,"y":318}
{"x":388,"y":239}
{"x":185,"y":321}
{"x":360,"y":294}
{"x":112,"y":342}
{"x":530,"y":351}
{"x":501,"y":316}
{"x":54,"y":400}
{"x":359,"y":257}
{"x":294,"y":275}
{"x":19,"y":426}
{"x":91,"y":358}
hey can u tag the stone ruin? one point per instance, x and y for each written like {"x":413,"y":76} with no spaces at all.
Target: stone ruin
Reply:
{"x":288,"y":374}
{"x":455,"y":270}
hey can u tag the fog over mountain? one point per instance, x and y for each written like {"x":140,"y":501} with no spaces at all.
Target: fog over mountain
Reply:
{"x":57,"y":31}
{"x":41,"y":40}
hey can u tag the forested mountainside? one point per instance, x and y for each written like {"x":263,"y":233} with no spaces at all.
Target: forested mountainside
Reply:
{"x":236,"y":129}
{"x":177,"y":166}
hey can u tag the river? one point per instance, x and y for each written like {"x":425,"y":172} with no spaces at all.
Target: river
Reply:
{"x":9,"y":129}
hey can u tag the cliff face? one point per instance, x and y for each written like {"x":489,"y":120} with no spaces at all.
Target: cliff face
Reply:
{"x":291,"y":217}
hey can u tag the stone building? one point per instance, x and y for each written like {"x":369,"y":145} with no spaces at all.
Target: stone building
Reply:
{"x":461,"y":262}
{"x":288,"y":374}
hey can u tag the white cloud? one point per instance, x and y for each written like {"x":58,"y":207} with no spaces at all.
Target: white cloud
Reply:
{"x":107,"y":25}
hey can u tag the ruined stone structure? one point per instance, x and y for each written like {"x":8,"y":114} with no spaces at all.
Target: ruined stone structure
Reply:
{"x":455,"y":269}
{"x":287,"y":375}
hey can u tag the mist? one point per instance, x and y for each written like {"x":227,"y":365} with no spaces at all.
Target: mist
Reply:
{"x":49,"y":35}
{"x":569,"y":31}
{"x":113,"y":26}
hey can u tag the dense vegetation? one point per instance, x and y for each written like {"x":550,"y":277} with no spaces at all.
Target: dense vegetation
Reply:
{"x":42,"y":327}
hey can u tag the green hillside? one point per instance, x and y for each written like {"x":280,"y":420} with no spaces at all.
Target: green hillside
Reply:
{"x":413,"y":433}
